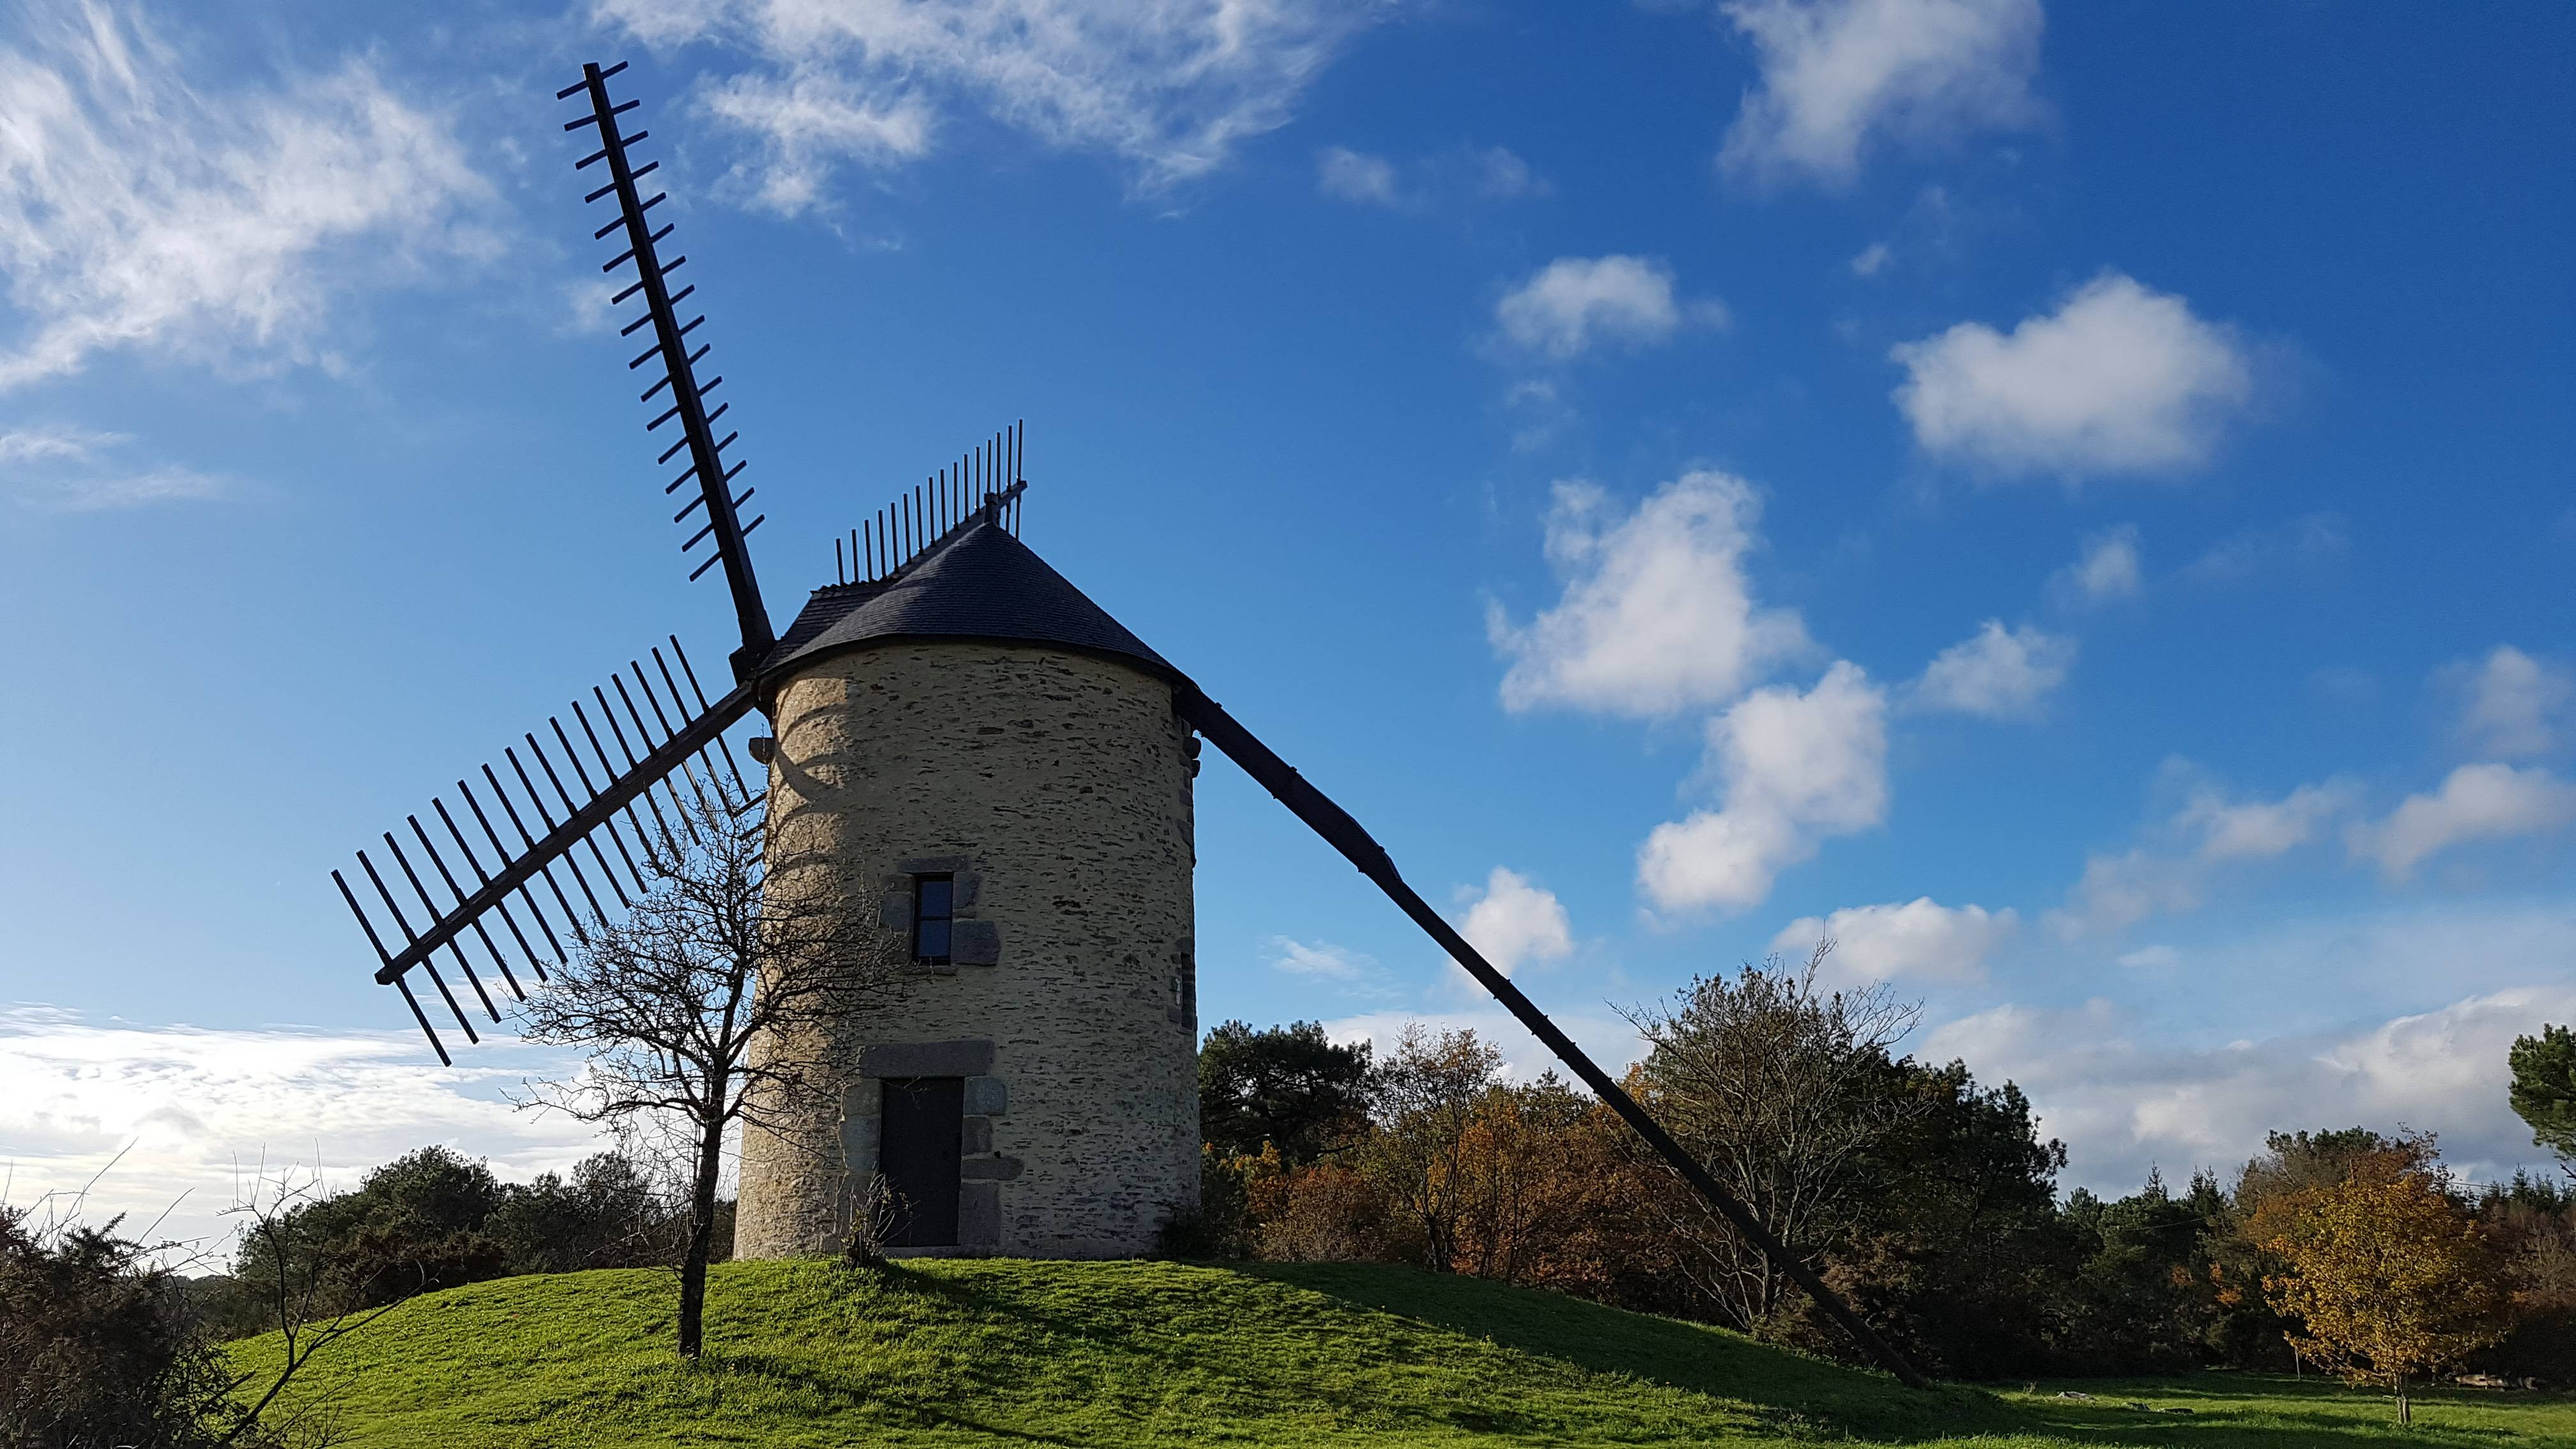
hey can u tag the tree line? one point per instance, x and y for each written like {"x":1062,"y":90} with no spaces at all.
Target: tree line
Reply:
{"x":107,"y":1339}
{"x":1929,"y":1200}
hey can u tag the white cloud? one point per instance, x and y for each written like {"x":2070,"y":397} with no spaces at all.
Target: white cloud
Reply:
{"x":2209,"y":831}
{"x":1840,"y":75}
{"x":1996,"y":673}
{"x":2476,"y":802}
{"x":2123,"y":1103}
{"x":1353,"y":176}
{"x":1515,"y":922}
{"x":2119,"y":379}
{"x":1170,"y":86}
{"x":143,"y":210}
{"x":1872,"y":260}
{"x":192,"y":1109}
{"x":1575,"y":304}
{"x":2107,"y":568}
{"x":1793,"y":768}
{"x":2512,"y":705}
{"x":2146,"y":957}
{"x":1321,"y":959}
{"x":1657,"y":615}
{"x":1918,"y":940}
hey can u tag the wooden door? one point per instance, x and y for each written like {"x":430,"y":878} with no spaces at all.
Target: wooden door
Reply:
{"x":918,"y":1143}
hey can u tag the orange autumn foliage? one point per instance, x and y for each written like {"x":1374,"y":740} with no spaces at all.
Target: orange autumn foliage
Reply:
{"x":2392,"y":1277}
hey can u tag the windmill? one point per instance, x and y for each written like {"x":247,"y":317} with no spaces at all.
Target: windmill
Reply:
{"x":1011,"y":763}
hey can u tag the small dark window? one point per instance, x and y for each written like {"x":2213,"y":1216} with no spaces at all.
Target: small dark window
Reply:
{"x":933,"y":902}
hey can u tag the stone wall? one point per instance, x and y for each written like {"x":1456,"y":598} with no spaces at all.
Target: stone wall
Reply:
{"x":1056,"y":788}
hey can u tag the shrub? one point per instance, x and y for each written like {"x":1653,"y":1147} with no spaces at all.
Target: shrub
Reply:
{"x":100,"y":1346}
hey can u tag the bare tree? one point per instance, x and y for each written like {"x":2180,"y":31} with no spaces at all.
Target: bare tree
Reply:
{"x":291,"y":1292}
{"x":1777,"y":1086}
{"x":700,"y":1009}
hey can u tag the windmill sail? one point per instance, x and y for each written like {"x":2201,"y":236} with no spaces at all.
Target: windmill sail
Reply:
{"x":685,"y":402}
{"x":1345,"y":834}
{"x":559,"y":817}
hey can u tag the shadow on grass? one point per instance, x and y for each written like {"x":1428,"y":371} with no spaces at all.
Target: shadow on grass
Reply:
{"x":844,"y":1392}
{"x":1158,"y":1329}
{"x":1153,"y":1349}
{"x":1785,"y":1391}
{"x":1796,"y":1396}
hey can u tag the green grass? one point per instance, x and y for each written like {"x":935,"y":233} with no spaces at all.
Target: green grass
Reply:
{"x":1006,"y":1352}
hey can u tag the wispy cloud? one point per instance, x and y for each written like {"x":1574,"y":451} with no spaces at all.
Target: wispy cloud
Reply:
{"x":2107,"y":568}
{"x":2309,"y":541}
{"x":1354,"y":176}
{"x":143,"y":208}
{"x":62,"y":470}
{"x":2123,"y":1101}
{"x":2511,"y":704}
{"x":2475,"y":802}
{"x":48,"y":444}
{"x":1321,"y":959}
{"x":2211,"y":831}
{"x":1492,"y":173}
{"x":1170,"y":88}
{"x":1501,"y":175}
{"x":1605,"y":1038}
{"x":192,"y":1109}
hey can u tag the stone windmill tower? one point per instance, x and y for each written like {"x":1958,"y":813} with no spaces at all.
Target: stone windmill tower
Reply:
{"x":953,"y":719}
{"x":1004,"y":759}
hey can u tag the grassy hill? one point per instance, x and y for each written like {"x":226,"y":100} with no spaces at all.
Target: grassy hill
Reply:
{"x":1009,"y":1352}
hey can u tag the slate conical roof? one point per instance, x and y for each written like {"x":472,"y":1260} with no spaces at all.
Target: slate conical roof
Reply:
{"x":982,"y":585}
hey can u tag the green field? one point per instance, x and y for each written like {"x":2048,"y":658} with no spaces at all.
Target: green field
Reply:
{"x":1008,"y":1352}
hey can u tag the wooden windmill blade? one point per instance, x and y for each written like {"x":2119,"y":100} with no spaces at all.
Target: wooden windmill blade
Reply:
{"x":1346,"y":835}
{"x":495,"y":853}
{"x":592,"y":826}
{"x":686,"y":403}
{"x":482,"y":883}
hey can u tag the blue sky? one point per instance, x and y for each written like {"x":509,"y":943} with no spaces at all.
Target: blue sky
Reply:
{"x":2072,"y":502}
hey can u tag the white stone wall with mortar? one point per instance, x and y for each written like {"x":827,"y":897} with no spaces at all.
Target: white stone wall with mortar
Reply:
{"x":1057,"y":786}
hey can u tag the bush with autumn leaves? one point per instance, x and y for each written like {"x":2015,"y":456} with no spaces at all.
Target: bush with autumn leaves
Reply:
{"x":1929,"y":1199}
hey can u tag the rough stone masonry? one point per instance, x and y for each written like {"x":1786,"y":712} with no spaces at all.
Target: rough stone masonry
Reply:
{"x":1054,"y":787}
